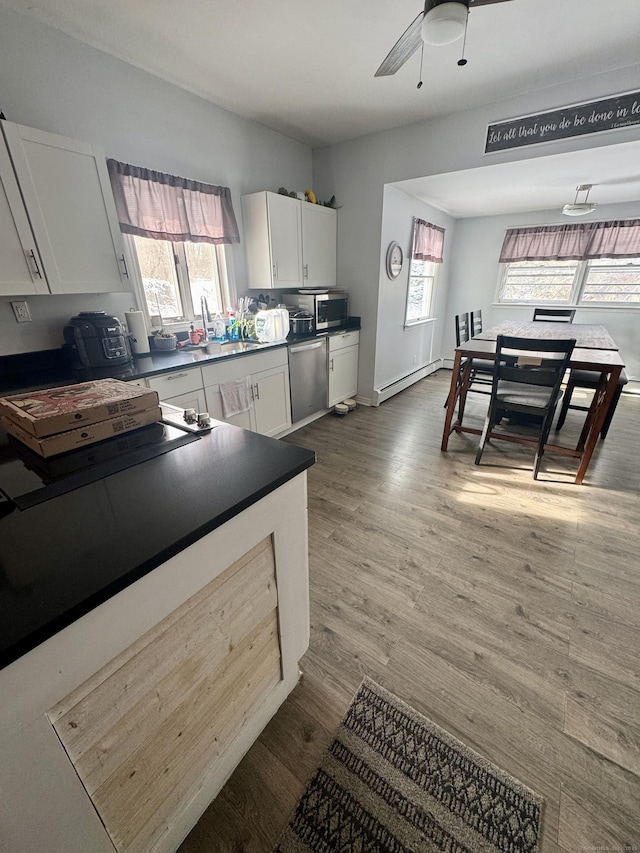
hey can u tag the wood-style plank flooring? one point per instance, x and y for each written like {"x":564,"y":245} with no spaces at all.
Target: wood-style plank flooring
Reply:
{"x":504,"y":609}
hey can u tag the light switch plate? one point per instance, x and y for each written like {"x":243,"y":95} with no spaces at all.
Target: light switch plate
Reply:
{"x":21,"y":311}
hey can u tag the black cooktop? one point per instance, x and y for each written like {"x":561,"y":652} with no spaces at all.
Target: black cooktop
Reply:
{"x":27,"y":479}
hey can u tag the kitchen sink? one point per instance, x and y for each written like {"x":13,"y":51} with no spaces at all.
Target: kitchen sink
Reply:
{"x":240,"y":346}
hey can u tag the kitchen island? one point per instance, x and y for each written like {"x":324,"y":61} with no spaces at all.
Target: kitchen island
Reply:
{"x":151,"y":624}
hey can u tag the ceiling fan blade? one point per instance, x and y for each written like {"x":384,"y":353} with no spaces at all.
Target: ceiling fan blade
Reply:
{"x":405,"y":47}
{"x":473,"y":3}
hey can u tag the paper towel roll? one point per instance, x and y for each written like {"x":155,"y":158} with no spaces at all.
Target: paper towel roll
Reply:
{"x":138,"y":331}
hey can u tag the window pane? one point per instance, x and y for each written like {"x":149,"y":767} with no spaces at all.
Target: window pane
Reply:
{"x":155,"y":258}
{"x":202,"y":266}
{"x":612,"y":280}
{"x":419,"y":298}
{"x":539,"y":281}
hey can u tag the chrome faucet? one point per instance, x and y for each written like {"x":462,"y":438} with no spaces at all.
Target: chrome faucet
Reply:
{"x":206,"y":316}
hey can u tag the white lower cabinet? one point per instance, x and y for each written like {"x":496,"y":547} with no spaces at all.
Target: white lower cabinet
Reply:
{"x":182,"y":388}
{"x":267,"y":375}
{"x":342,"y":367}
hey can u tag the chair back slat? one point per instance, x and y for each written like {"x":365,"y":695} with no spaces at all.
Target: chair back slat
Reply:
{"x":554,"y":315}
{"x":462,"y":328}
{"x":475,"y":322}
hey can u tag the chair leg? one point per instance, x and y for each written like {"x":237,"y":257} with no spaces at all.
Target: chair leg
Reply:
{"x":566,"y":400}
{"x":545,"y":429}
{"x":486,"y":429}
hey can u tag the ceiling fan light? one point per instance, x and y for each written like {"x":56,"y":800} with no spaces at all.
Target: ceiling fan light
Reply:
{"x":444,"y":23}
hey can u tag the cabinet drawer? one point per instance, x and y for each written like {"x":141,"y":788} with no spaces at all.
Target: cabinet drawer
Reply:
{"x":235,"y":368}
{"x":343,"y":339}
{"x":176,"y":383}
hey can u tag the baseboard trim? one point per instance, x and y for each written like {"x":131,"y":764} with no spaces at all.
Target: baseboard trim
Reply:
{"x":393,"y":388}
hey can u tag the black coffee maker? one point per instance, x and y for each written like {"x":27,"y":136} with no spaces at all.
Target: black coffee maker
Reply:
{"x":97,"y":340}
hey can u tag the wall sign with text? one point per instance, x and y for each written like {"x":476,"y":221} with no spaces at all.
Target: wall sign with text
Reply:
{"x":576,"y":120}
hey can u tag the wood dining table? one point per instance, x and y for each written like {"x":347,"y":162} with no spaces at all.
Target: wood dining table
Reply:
{"x":595,"y":350}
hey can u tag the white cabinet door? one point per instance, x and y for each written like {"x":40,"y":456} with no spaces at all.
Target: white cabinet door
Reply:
{"x":20,"y":265}
{"x":285,"y":231}
{"x":271,"y":402}
{"x":319,"y":245}
{"x":273,"y":240}
{"x":194,"y":400}
{"x":214,"y":407}
{"x":343,"y":375}
{"x":67,"y":194}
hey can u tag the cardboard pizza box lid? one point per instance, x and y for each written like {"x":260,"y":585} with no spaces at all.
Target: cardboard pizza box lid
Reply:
{"x":53,"y":410}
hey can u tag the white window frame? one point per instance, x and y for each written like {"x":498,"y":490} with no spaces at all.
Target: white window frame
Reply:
{"x":226,"y":275}
{"x":428,"y":317}
{"x":576,"y":295}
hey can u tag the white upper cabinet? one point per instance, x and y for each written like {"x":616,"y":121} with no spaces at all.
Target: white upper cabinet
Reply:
{"x":273,"y":240}
{"x":318,"y":245}
{"x":288,"y":243}
{"x":67,"y":195}
{"x":20,"y":264}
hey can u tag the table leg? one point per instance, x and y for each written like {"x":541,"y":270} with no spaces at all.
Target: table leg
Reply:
{"x":605,"y":398}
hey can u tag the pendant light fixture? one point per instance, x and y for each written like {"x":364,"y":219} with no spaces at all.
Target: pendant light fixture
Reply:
{"x":582,"y":207}
{"x":445,"y":21}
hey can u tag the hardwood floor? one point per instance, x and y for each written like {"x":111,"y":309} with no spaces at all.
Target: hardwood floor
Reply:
{"x":504,"y":609}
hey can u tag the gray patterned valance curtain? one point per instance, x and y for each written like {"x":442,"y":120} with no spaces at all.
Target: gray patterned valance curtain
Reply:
{"x":580,"y":242}
{"x":166,"y":207}
{"x":428,"y":241}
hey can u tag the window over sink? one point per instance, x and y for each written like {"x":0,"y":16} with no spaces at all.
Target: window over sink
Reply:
{"x":177,"y":230}
{"x":174,"y":277}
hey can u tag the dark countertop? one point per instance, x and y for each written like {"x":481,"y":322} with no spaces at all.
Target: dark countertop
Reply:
{"x":63,"y":557}
{"x":49,"y":368}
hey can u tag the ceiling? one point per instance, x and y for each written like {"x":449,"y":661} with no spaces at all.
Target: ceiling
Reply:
{"x":542,"y":183}
{"x":306,"y":69}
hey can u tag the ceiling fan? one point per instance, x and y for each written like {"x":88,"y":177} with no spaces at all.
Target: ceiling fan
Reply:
{"x":440,"y":22}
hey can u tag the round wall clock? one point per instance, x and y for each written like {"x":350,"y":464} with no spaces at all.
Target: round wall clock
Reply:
{"x":394,"y":259}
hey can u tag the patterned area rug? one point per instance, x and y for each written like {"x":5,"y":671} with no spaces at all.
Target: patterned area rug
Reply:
{"x":392,"y":781}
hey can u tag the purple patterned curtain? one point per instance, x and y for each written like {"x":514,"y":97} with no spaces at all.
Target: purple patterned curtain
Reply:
{"x":165,"y":207}
{"x":577,"y":242}
{"x":428,"y":241}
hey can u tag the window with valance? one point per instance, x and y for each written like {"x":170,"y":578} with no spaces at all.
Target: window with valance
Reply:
{"x":581,"y":263}
{"x":426,"y":256}
{"x":178,"y":229}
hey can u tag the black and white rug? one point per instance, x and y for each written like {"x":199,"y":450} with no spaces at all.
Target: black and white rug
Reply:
{"x":393,"y":781}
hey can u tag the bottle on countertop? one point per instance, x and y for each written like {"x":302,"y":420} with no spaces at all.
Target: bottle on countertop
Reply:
{"x":219,"y":328}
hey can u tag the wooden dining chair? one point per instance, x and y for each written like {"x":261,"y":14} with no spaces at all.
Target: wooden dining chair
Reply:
{"x":554,"y":315}
{"x":589,"y":379}
{"x":462,"y":328}
{"x":526,"y":385}
{"x":481,"y":369}
{"x":475,"y":322}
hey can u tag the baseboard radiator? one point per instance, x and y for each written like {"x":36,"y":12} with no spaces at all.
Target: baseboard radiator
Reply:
{"x":382,"y":394}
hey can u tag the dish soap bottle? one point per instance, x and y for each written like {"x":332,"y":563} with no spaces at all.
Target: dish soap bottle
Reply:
{"x":219,"y":328}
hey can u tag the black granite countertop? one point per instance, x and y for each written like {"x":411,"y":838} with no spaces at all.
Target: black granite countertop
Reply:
{"x":50,"y":368}
{"x":63,"y":557}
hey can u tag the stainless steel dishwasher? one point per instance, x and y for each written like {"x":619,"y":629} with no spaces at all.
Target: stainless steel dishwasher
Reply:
{"x":308,"y":377}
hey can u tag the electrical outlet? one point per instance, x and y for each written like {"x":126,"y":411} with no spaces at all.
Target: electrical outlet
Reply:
{"x":21,"y":310}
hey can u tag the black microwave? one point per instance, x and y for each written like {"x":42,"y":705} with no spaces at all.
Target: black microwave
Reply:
{"x":329,"y":310}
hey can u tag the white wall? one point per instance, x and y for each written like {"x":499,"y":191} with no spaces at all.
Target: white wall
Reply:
{"x":357,"y":171}
{"x":474,"y":277}
{"x":55,"y":83}
{"x":402,"y":351}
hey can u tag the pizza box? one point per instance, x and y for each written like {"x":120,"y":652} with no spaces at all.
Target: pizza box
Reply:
{"x":54,"y":410}
{"x":72,"y":439}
